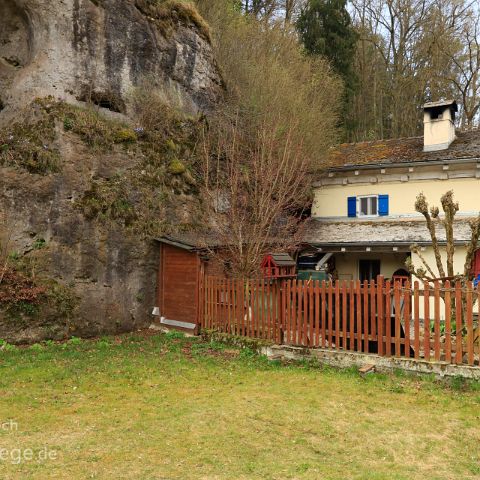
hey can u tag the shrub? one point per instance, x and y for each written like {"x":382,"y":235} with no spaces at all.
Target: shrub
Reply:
{"x":30,"y":144}
{"x":39,"y":243}
{"x":270,"y":80}
{"x":125,"y":135}
{"x":176,"y":167}
{"x":68,"y":123}
{"x":7,"y":347}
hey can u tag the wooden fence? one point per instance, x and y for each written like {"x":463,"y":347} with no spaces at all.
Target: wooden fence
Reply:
{"x":437,"y":322}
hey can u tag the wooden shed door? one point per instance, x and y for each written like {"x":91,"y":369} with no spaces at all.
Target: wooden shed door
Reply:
{"x":178,"y":289}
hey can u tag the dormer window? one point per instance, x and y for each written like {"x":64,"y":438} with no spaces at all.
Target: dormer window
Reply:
{"x":368,"y":206}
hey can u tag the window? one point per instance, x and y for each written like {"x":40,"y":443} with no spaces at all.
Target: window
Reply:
{"x":368,"y":206}
{"x":368,"y":269}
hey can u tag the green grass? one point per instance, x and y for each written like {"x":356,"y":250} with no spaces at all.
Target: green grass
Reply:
{"x":167,"y":407}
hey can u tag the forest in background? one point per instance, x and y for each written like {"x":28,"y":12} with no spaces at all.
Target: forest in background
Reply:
{"x":393,"y":56}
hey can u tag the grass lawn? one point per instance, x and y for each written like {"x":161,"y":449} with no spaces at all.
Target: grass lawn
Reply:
{"x":161,"y":407}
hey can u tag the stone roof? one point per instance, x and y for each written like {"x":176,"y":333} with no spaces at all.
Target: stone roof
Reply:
{"x":402,"y":150}
{"x":378,"y":232}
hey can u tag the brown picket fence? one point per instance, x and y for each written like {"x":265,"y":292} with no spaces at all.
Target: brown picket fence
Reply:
{"x":434,"y":322}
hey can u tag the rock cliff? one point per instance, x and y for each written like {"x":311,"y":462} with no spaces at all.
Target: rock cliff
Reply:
{"x":81,"y":195}
{"x":99,"y":49}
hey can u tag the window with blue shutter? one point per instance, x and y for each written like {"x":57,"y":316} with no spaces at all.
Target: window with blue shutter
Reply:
{"x":352,"y":206}
{"x":383,"y":205}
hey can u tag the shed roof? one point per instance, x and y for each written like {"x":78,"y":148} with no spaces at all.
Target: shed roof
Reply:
{"x":282,"y":259}
{"x":402,"y":151}
{"x":379,"y":232}
{"x":192,"y":240}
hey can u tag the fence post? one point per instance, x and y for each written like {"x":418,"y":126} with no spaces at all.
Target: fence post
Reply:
{"x":373,"y":310}
{"x":294,"y":319}
{"x":300,"y":308}
{"x":280,"y":313}
{"x":317,"y":313}
{"x":458,"y":323}
{"x":358,"y":288}
{"x":388,"y":318}
{"x":477,"y":333}
{"x":311,"y":342}
{"x":283,"y":310}
{"x":305,"y":313}
{"x":330,"y":314}
{"x":448,"y":322}
{"x":344,"y":314}
{"x":469,"y":320}
{"x":426,"y":321}
{"x":337,"y":315}
{"x":351,"y":330}
{"x":416,"y":318}
{"x":324,"y":313}
{"x":289,"y":310}
{"x":436,"y":325}
{"x":365,"y":316}
{"x":396,"y":290}
{"x":407,"y":315}
{"x":380,"y":315}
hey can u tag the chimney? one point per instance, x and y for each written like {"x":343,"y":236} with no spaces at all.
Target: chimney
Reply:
{"x":438,"y":125}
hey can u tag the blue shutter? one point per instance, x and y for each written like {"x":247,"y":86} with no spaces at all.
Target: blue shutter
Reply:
{"x":352,"y":206}
{"x":383,"y":205}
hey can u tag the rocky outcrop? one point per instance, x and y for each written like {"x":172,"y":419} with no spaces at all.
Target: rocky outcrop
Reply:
{"x":96,"y":50}
{"x":110,"y":272}
{"x":79,"y":50}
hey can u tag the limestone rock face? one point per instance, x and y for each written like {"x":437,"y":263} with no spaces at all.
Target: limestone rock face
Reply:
{"x":98,"y":50}
{"x":112,"y":274}
{"x":95,"y":50}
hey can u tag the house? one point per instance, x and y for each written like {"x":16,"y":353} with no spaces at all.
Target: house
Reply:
{"x":363,"y":216}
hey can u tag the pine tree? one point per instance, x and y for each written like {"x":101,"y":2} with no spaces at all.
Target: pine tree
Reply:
{"x":326,"y":29}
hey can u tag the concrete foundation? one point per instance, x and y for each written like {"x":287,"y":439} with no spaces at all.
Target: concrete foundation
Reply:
{"x":342,"y":359}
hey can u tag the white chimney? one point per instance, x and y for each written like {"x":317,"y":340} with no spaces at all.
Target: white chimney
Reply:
{"x":438,"y":125}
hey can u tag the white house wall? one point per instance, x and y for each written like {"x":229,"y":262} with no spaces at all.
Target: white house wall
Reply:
{"x":347,"y":263}
{"x":331,"y":200}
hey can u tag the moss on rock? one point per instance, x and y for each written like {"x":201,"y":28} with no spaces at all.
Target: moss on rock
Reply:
{"x":30,"y":144}
{"x":168,"y":12}
{"x":176,"y":167}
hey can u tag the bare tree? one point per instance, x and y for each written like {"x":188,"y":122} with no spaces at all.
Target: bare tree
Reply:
{"x":411,"y":51}
{"x":273,"y":10}
{"x":432,"y":217}
{"x":254,"y":190}
{"x":465,"y":68}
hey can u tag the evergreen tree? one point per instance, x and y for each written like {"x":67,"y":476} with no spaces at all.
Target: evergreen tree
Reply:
{"x":326,"y":29}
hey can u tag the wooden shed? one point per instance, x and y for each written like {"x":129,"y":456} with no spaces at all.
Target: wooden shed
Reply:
{"x":184,"y":261}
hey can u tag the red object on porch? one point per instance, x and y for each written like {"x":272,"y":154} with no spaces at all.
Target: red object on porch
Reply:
{"x":476,"y":264}
{"x":278,"y":265}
